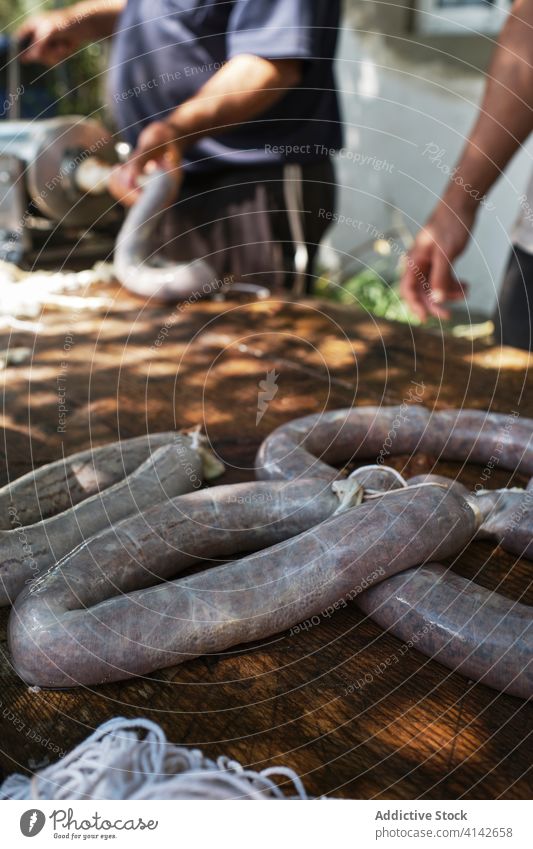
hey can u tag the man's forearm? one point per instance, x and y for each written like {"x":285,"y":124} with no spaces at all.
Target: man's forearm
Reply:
{"x":244,"y":88}
{"x":99,"y":16}
{"x":506,"y":114}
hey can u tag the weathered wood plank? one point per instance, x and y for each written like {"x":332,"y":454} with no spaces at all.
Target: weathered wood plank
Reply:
{"x":416,"y":731}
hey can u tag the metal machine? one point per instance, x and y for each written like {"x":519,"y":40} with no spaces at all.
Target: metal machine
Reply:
{"x":44,"y":207}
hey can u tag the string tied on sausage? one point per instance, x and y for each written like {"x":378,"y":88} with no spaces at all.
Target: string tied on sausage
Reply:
{"x":370,"y":494}
{"x":212,"y":466}
{"x":379,"y":467}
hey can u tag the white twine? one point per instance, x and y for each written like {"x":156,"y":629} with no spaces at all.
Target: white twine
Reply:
{"x":378,"y":467}
{"x":132,"y":759}
{"x":372,"y":494}
{"x":26,"y":293}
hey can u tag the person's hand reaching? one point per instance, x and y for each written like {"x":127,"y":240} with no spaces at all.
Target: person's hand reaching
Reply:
{"x":157,"y":146}
{"x":429,"y":280}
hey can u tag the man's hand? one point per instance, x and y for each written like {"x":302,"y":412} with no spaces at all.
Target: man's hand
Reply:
{"x":157,"y":145}
{"x":429,"y":279}
{"x":52,"y":37}
{"x":245,"y":87}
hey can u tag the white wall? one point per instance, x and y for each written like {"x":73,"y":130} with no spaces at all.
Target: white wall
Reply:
{"x":400,"y":93}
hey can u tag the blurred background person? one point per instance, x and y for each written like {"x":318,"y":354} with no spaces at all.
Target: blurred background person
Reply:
{"x":241,"y":96}
{"x":504,"y":122}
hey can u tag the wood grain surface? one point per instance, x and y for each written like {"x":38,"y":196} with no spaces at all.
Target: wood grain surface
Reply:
{"x":414,"y":731}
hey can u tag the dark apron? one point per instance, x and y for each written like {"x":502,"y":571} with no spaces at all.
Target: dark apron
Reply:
{"x":258,"y":225}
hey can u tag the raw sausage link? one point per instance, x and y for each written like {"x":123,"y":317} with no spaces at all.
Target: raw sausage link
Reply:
{"x":306,"y":447}
{"x":69,"y":628}
{"x":478,"y":633}
{"x":294,"y":449}
{"x":57,"y":486}
{"x":504,"y":644}
{"x":26,"y":552}
{"x":137,"y":265}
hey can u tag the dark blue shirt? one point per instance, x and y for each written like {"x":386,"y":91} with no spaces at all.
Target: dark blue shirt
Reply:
{"x":165,"y":50}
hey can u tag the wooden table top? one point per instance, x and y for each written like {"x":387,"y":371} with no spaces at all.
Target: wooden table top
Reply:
{"x":417,"y":731}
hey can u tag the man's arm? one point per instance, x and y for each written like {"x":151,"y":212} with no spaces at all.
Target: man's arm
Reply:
{"x":245,"y":87}
{"x":53,"y":36}
{"x":504,"y":122}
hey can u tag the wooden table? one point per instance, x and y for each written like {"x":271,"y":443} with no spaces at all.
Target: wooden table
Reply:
{"x":417,"y":731}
